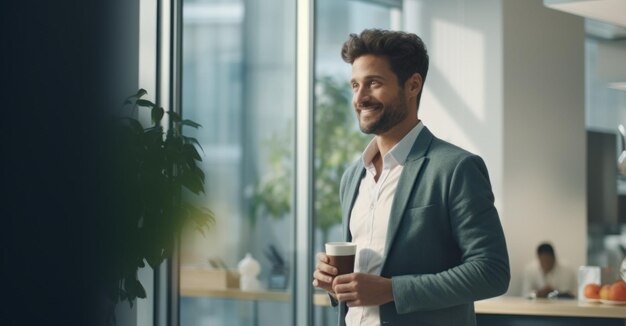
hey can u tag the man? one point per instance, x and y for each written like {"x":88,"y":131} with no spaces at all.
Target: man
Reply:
{"x":546,"y":275}
{"x":429,"y":239}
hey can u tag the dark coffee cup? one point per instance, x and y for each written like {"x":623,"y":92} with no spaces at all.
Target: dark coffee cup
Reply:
{"x":341,"y":255}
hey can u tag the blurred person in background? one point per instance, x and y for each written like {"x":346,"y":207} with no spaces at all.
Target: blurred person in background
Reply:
{"x":545,"y":275}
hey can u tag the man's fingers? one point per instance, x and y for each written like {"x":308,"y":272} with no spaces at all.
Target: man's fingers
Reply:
{"x":322,"y":277}
{"x":322,"y":285}
{"x":345,"y":278}
{"x":344,"y":287}
{"x":350,"y":296}
{"x":322,"y":257}
{"x":328,"y":269}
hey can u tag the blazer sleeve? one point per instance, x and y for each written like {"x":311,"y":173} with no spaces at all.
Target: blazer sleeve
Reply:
{"x":475,"y":225}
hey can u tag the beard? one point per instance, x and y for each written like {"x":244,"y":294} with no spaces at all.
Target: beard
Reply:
{"x":392,"y":114}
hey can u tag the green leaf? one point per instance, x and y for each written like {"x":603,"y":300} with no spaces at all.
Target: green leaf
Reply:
{"x":201,"y":230}
{"x":191,"y":140}
{"x":191,"y":152}
{"x":141,"y":292}
{"x":142,"y":102}
{"x":175,"y":116}
{"x":191,"y":123}
{"x":153,"y":260}
{"x":129,"y":287}
{"x":198,"y":173}
{"x":141,"y":92}
{"x":157,"y":114}
{"x":193,"y":183}
{"x":201,"y":216}
{"x":154,"y":130}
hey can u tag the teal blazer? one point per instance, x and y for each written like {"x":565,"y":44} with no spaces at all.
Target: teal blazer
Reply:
{"x":445,"y":246}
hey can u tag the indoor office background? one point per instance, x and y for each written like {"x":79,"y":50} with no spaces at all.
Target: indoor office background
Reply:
{"x":520,"y":83}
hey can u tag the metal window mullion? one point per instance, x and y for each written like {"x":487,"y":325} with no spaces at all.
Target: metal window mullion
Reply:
{"x":163,"y":97}
{"x":303,"y":290}
{"x":175,"y":87}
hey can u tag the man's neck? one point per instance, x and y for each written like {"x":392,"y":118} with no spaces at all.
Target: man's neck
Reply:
{"x":386,"y":141}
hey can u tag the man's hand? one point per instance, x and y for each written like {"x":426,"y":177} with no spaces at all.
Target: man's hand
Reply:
{"x":543,"y":292}
{"x":359,"y":289}
{"x":324,"y":274}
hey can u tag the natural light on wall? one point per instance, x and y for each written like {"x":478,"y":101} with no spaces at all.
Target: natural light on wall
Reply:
{"x":465,"y":74}
{"x":457,"y":69}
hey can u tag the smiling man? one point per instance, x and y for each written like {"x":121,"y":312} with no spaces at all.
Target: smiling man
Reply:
{"x":429,"y":239}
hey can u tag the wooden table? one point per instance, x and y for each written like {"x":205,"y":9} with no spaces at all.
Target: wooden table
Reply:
{"x":319,"y":299}
{"x":548,"y":307}
{"x":497,"y":306}
{"x":499,"y":311}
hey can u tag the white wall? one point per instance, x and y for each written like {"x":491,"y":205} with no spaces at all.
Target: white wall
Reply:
{"x":462,"y":100}
{"x":506,"y":82}
{"x":545,"y":137}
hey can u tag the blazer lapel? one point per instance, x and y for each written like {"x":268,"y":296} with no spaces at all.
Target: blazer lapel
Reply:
{"x":412,"y":167}
{"x":352,"y":190}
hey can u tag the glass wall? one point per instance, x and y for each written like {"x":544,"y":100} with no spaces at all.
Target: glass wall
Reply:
{"x":239,"y":84}
{"x":337,"y":138}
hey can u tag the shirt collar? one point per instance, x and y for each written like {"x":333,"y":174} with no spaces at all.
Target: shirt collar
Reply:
{"x":398,"y":153}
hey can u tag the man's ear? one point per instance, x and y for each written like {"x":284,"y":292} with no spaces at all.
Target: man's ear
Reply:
{"x":413,"y":85}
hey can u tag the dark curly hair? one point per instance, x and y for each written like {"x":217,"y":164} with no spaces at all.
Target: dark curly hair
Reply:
{"x":406,"y":52}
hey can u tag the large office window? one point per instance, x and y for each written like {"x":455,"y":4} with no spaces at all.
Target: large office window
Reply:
{"x":239,"y":83}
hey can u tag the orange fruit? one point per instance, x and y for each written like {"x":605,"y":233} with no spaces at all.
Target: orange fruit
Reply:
{"x":604,"y":292}
{"x":592,"y":291}
{"x":617,"y":292}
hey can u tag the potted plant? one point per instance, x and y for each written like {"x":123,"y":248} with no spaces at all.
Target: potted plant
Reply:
{"x":155,"y":171}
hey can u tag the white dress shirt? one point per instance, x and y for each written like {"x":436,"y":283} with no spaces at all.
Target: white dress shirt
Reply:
{"x":369,"y":218}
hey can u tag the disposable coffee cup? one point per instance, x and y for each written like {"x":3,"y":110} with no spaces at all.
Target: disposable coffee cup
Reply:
{"x":341,"y":255}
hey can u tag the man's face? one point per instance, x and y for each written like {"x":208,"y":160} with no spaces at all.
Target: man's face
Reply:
{"x":378,"y":99}
{"x":547,"y":262}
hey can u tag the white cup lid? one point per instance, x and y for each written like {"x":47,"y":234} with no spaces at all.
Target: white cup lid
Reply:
{"x":340,"y":248}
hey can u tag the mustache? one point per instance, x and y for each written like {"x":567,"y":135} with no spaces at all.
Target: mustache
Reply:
{"x":367,"y":104}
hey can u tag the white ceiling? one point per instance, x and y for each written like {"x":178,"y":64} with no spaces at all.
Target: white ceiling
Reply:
{"x":610,"y":11}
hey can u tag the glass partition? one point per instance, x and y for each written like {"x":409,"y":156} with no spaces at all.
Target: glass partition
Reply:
{"x":239,"y":84}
